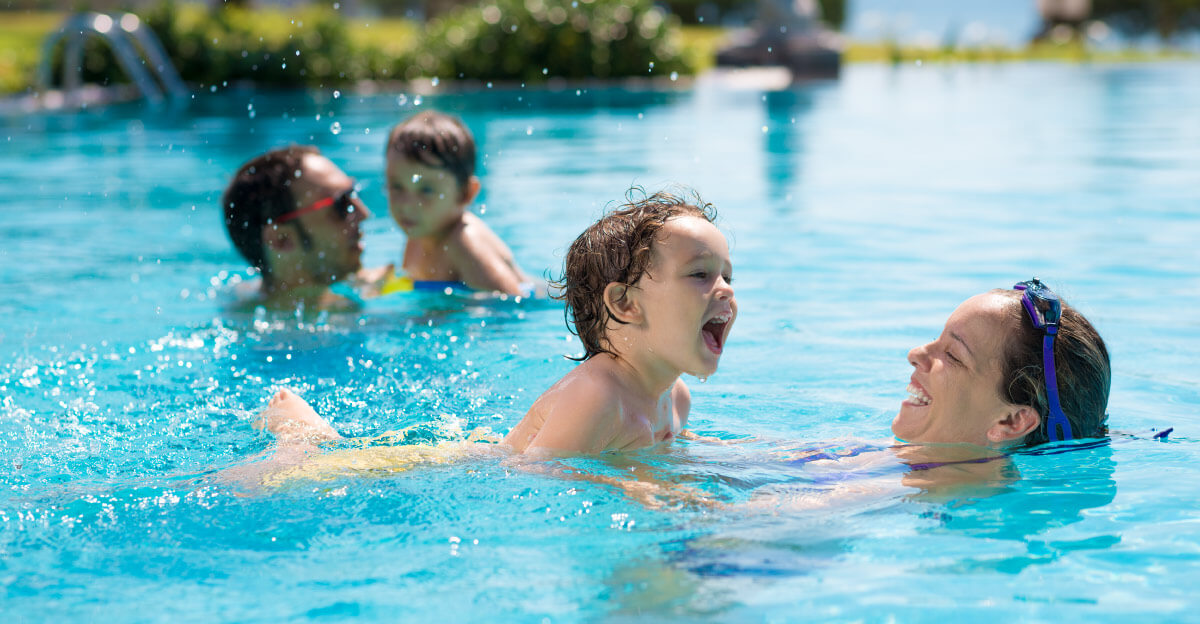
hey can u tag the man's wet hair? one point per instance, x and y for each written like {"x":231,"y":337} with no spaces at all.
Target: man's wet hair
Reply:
{"x":617,"y":248}
{"x":260,"y":191}
{"x":437,"y":140}
{"x":1081,"y":364}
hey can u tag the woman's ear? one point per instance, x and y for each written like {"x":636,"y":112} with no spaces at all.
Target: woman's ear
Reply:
{"x":1015,"y":425}
{"x":621,"y":303}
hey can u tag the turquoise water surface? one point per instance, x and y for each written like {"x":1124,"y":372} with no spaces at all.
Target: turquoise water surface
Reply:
{"x":860,"y":213}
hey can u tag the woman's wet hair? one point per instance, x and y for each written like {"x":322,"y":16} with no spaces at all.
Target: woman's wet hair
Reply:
{"x":617,"y":248}
{"x":1081,"y":364}
{"x":260,"y":191}
{"x":437,"y":140}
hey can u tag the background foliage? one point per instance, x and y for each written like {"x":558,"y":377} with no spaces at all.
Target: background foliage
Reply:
{"x":1139,"y":17}
{"x":532,"y":40}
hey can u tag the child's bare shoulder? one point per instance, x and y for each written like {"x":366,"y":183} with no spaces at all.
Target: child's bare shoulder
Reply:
{"x":580,"y":413}
{"x":473,"y":237}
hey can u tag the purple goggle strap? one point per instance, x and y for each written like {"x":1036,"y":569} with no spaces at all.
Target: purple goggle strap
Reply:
{"x":1058,"y":428}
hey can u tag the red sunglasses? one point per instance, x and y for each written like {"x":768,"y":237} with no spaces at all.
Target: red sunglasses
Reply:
{"x":343,"y":202}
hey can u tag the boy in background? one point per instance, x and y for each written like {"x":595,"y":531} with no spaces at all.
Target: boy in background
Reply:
{"x":430,"y":183}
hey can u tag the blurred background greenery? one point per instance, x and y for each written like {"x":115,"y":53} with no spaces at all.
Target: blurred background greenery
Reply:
{"x":531,"y":41}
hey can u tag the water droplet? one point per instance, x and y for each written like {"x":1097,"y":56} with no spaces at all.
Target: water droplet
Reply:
{"x":335,"y":128}
{"x":528,"y":130}
{"x":434,"y":81}
{"x":416,"y":178}
{"x":336,"y":94}
{"x":417,"y":101}
{"x":401,"y":100}
{"x":545,"y":70}
{"x":764,"y":129}
{"x":703,"y":379}
{"x":674,"y":76}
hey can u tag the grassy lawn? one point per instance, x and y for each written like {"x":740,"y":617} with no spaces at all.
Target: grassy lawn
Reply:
{"x":21,"y":36}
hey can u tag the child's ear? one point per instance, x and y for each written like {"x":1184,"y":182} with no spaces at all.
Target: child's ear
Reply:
{"x":470,"y":190}
{"x":621,"y":305}
{"x":1015,"y":425}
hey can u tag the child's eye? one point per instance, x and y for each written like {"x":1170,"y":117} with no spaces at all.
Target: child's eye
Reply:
{"x":728,"y":279}
{"x":699,"y":275}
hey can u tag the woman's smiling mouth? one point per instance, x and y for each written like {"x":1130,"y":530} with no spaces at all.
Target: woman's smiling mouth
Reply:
{"x":917,"y":396}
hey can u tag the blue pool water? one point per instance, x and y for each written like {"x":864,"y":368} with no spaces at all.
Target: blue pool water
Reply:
{"x":860,"y":213}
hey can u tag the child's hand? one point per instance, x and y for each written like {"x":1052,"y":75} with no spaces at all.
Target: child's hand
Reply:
{"x":368,"y":282}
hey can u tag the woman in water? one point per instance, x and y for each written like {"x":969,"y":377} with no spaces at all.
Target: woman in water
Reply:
{"x":1011,"y":370}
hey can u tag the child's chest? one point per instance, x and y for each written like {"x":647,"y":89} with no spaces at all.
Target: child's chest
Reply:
{"x":650,"y":424}
{"x":428,"y":261}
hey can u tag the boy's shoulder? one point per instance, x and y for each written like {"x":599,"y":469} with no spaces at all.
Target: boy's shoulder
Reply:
{"x":589,"y":387}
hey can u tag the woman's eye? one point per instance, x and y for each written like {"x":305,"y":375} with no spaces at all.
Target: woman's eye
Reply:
{"x":953,"y":359}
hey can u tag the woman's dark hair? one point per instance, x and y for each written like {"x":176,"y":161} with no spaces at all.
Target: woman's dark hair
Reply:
{"x":260,"y":191}
{"x":438,"y":140}
{"x":1081,"y":364}
{"x":617,"y":248}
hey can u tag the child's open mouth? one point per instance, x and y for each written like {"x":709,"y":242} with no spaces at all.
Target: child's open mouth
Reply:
{"x":714,"y":331}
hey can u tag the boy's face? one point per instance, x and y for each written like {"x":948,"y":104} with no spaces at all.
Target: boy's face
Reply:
{"x":423,"y":199}
{"x":686,"y":295}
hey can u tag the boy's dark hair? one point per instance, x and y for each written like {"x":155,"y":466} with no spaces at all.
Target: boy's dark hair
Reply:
{"x":617,"y":248}
{"x":1081,"y":364}
{"x":260,"y":191}
{"x":438,"y":140}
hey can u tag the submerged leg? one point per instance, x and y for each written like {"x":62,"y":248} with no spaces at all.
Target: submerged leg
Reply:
{"x":293,"y":420}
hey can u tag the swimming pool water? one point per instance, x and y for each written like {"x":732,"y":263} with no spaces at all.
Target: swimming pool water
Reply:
{"x":860,"y":213}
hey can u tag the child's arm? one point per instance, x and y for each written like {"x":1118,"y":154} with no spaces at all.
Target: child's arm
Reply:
{"x":482,"y":260}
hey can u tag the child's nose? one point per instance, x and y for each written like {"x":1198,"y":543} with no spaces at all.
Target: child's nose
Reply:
{"x":724,"y":289}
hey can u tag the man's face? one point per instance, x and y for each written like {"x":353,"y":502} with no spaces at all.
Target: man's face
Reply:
{"x":329,"y":241}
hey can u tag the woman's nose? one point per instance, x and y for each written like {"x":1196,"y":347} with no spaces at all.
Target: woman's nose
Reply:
{"x":919,"y":356}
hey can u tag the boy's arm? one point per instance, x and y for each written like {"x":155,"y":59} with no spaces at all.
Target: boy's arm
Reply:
{"x":481,"y":260}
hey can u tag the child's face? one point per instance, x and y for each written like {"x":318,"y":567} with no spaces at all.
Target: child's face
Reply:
{"x":423,"y":199}
{"x":686,"y":295}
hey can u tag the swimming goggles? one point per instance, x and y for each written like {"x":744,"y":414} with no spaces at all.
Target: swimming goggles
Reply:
{"x":1045,"y":310}
{"x":343,"y":202}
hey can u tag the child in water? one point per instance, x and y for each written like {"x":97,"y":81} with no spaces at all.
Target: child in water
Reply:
{"x":649,"y":290}
{"x":430,"y":183}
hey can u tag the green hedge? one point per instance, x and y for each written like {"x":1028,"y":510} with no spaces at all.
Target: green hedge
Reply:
{"x":527,"y":40}
{"x":312,"y":46}
{"x":533,"y":40}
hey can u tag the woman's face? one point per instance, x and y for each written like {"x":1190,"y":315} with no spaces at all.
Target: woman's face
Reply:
{"x":954,"y":392}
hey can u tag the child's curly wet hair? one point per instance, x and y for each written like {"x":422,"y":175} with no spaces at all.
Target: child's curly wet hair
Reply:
{"x":617,"y":248}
